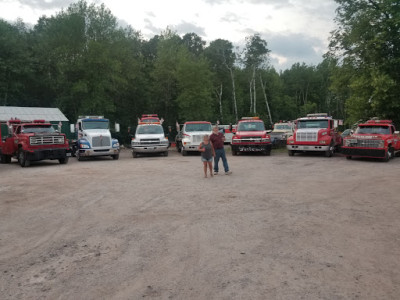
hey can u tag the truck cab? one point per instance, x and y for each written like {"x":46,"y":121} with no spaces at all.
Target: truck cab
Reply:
{"x":33,"y":141}
{"x":149,"y":138}
{"x":191,"y":135}
{"x":281,"y":132}
{"x":314,"y":133}
{"x":94,"y":138}
{"x":251,"y":136}
{"x":375,"y":139}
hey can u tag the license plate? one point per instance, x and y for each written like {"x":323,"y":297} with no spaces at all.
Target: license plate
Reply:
{"x":306,"y":148}
{"x":68,"y":154}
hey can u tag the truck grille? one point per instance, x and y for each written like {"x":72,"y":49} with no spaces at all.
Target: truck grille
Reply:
{"x":101,"y":141}
{"x":47,"y":140}
{"x":149,"y":141}
{"x":307,"y":136}
{"x":197,"y":138}
{"x":365,"y":143}
{"x":250,"y":139}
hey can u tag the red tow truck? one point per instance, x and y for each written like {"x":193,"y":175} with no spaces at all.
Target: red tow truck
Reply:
{"x":33,"y":141}
{"x":375,"y":139}
{"x":316,"y":132}
{"x":251,"y":136}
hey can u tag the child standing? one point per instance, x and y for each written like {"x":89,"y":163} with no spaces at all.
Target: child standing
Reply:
{"x":207,"y":153}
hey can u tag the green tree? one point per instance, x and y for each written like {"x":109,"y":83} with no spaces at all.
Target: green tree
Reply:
{"x":15,"y":64}
{"x":367,"y":44}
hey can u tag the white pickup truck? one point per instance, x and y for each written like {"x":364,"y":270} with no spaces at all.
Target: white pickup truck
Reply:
{"x":149,"y":138}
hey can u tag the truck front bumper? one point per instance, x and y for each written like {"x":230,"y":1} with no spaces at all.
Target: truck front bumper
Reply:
{"x":251,"y":148}
{"x":98,"y":152}
{"x":150,"y":149}
{"x":307,"y":147}
{"x":361,"y":152}
{"x":191,"y":147}
{"x":47,"y":154}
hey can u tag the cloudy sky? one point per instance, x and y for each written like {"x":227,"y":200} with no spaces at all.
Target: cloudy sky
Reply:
{"x":295,"y":30}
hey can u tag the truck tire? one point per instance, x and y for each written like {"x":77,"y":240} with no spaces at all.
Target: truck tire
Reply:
{"x":166,"y":153}
{"x":22,"y":159}
{"x":267,"y":153}
{"x":178,"y":146}
{"x":184,"y":152}
{"x":5,"y":159}
{"x":134,"y":154}
{"x":290,"y":152}
{"x":329,"y":152}
{"x":78,"y":156}
{"x":234,"y":153}
{"x":64,"y":160}
{"x":348,"y":157}
{"x":115,"y":157}
{"x":389,"y":154}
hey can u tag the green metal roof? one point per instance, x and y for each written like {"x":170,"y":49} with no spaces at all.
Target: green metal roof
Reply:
{"x":31,"y":113}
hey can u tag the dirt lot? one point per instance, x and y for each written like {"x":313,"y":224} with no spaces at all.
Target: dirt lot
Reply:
{"x":279,"y":227}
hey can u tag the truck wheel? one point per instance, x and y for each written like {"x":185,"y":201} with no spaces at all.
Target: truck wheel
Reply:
{"x":166,"y":153}
{"x":5,"y":159}
{"x":389,"y":154}
{"x":290,"y":152}
{"x":178,"y":147}
{"x":329,"y":152}
{"x":64,"y":160}
{"x":134,"y":154}
{"x":22,"y":159}
{"x":184,"y":152}
{"x":78,"y":155}
{"x":267,"y":153}
{"x":234,"y":153}
{"x":115,"y":157}
{"x":348,"y":157}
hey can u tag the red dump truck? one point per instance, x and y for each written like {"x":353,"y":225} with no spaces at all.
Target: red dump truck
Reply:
{"x":33,"y":141}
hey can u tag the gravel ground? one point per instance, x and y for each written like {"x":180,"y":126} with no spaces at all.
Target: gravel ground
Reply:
{"x":278,"y":227}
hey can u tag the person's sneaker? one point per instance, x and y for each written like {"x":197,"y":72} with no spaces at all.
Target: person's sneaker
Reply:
{"x":215,"y":173}
{"x":228,"y":173}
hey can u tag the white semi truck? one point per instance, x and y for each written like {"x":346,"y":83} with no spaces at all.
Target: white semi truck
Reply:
{"x":93,"y":138}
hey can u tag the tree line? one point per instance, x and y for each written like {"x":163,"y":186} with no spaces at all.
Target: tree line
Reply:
{"x":81,"y":61}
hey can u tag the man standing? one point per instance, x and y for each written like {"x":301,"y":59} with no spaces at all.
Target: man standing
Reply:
{"x":217,"y":139}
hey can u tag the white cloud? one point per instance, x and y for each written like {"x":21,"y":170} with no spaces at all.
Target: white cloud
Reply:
{"x":233,"y":20}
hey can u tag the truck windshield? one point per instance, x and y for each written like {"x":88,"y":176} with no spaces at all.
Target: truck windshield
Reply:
{"x":373,"y":130}
{"x":38,"y":129}
{"x":150,"y":129}
{"x":282,"y":127}
{"x":251,"y":126}
{"x":304,"y":124}
{"x":95,"y":124}
{"x":198,"y":127}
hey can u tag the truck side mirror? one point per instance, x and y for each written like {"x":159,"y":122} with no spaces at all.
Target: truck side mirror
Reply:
{"x":117,"y":127}
{"x":72,"y":128}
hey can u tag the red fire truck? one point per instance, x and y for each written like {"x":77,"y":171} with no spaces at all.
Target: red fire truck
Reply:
{"x":316,"y":132}
{"x":251,"y":136}
{"x":32,"y":142}
{"x":375,"y":138}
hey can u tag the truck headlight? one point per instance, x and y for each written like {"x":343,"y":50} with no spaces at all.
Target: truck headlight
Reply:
{"x":115,"y":145}
{"x":322,"y":142}
{"x":265,"y":140}
{"x":381,"y":144}
{"x":291,"y":142}
{"x":84,"y":146}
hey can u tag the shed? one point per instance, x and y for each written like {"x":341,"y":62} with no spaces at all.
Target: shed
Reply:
{"x":28,"y":114}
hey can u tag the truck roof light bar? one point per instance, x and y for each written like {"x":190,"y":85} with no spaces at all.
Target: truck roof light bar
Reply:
{"x":379,"y":122}
{"x":317,"y":115}
{"x":91,"y":117}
